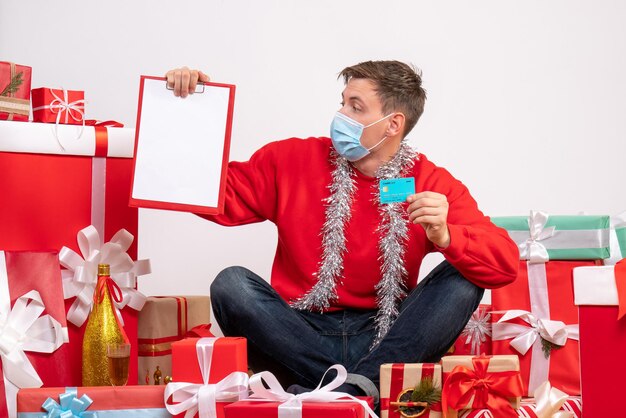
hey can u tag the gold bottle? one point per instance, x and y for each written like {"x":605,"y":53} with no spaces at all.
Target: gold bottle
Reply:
{"x":103,"y":327}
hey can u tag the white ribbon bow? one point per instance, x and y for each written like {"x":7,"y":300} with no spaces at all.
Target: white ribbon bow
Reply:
{"x":81,"y":276}
{"x":477,"y":330}
{"x":201,"y":398}
{"x":548,"y":402}
{"x":524,"y":336}
{"x":23,"y":328}
{"x":61,"y":106}
{"x":291,"y":406}
{"x":533,"y":250}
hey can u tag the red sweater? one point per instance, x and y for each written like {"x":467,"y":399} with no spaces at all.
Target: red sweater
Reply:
{"x":285,"y":181}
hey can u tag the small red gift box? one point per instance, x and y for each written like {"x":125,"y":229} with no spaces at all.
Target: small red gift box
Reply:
{"x":14,"y":91}
{"x":397,"y":378}
{"x":222,"y":362}
{"x":229,"y":355}
{"x":540,"y":317}
{"x":30,"y":281}
{"x":54,"y":193}
{"x":476,"y":337}
{"x":101,"y":401}
{"x":601,"y":296}
{"x":58,"y":106}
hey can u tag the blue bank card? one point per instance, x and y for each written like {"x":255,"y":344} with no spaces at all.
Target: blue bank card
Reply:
{"x":396,"y":190}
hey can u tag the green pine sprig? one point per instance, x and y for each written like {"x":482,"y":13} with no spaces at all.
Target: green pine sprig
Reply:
{"x":547,"y":347}
{"x":426,"y":391}
{"x":14,"y":85}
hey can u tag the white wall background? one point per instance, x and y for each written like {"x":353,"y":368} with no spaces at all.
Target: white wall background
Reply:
{"x":526,"y":98}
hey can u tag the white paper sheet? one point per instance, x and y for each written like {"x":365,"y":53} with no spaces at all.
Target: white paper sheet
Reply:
{"x":180,"y":145}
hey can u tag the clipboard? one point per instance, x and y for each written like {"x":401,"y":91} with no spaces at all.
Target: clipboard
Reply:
{"x":182,"y":147}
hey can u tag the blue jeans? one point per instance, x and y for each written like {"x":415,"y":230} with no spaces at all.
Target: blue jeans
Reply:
{"x":299,"y":346}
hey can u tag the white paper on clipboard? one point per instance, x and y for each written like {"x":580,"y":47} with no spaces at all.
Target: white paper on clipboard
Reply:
{"x":182,"y":147}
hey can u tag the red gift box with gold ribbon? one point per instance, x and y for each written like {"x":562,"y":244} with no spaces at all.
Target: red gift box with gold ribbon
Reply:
{"x":54,"y":185}
{"x":163,"y":321}
{"x":14,"y":91}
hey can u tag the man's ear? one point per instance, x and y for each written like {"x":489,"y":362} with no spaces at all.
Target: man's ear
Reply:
{"x":396,"y":124}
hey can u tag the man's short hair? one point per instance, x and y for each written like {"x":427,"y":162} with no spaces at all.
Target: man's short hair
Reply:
{"x":398,"y":85}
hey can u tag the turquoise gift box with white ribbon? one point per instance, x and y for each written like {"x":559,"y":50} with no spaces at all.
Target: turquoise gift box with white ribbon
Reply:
{"x":618,"y":239}
{"x":541,"y":237}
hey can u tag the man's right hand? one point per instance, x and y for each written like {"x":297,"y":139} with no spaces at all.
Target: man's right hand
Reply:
{"x":184,"y":81}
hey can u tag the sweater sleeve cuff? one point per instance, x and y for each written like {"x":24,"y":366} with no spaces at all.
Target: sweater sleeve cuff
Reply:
{"x":459,"y":241}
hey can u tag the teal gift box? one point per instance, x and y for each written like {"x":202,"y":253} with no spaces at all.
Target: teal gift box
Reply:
{"x":541,"y":237}
{"x":618,"y":239}
{"x":621,"y":240}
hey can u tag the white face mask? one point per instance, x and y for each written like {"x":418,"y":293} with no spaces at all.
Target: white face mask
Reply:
{"x":346,"y":134}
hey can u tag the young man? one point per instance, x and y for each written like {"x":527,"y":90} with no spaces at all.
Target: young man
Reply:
{"x":344,"y":280}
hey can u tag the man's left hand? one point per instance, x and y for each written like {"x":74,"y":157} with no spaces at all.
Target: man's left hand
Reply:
{"x":430,"y":209}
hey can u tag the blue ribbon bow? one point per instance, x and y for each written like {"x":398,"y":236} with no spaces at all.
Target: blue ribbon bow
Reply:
{"x":69,"y":406}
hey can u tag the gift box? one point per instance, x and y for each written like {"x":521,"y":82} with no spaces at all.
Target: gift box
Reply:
{"x":55,"y":191}
{"x":14,"y":91}
{"x":344,"y":409}
{"x":229,"y":354}
{"x":162,"y":321}
{"x":601,"y":297}
{"x":618,"y":239}
{"x":100,"y":401}
{"x":397,"y":382}
{"x":491,"y":382}
{"x":540,"y":324}
{"x":475,"y":339}
{"x":221,"y":363}
{"x":58,"y":106}
{"x":33,"y":329}
{"x":542,"y":237}
{"x":547,"y":403}
{"x":269,"y":399}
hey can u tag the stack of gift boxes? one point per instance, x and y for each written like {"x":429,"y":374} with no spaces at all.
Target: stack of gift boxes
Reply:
{"x":65,"y":188}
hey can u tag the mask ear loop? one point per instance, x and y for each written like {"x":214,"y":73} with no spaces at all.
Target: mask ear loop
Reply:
{"x":381,"y":119}
{"x":379,"y":142}
{"x":384,"y":137}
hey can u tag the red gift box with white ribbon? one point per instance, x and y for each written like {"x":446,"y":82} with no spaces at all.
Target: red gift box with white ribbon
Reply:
{"x":52,"y":191}
{"x":268,"y":399}
{"x":208,"y":373}
{"x":535,"y":318}
{"x":33,"y":329}
{"x":58,"y":106}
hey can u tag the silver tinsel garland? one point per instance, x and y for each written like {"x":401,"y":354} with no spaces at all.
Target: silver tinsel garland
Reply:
{"x":393,"y":231}
{"x":338,"y":213}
